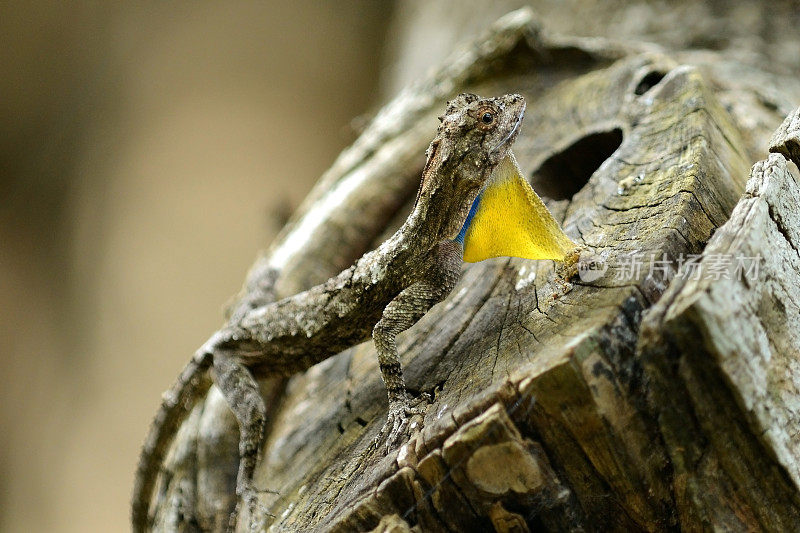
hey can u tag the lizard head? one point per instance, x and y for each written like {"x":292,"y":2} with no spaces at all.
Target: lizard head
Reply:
{"x":475,"y":136}
{"x":478,"y":132}
{"x":474,"y":193}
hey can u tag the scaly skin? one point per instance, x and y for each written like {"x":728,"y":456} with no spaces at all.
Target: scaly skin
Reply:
{"x":384,"y":293}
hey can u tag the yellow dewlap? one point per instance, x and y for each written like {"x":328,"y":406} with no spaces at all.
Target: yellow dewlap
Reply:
{"x":511,"y":220}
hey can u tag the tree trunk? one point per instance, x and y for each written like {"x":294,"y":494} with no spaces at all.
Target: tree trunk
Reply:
{"x":643,"y":398}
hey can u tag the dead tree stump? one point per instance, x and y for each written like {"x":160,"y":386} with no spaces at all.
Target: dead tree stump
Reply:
{"x":642,"y":399}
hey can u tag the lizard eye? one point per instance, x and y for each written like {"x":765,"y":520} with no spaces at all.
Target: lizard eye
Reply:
{"x":486,"y":118}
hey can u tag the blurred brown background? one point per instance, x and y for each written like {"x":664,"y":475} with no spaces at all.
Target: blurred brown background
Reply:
{"x":147,"y":155}
{"x":148,"y":152}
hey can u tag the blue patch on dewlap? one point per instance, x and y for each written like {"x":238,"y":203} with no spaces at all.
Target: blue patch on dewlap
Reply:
{"x":472,"y":210}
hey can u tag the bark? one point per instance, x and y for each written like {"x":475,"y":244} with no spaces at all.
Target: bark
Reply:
{"x":640,"y":399}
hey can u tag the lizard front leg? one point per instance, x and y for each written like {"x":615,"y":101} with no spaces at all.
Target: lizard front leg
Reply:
{"x":438,"y":278}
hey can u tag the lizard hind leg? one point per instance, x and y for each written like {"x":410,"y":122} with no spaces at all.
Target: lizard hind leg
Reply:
{"x":242,"y":394}
{"x":400,"y":314}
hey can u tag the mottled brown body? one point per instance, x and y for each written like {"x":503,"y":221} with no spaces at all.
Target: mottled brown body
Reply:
{"x":384,"y":293}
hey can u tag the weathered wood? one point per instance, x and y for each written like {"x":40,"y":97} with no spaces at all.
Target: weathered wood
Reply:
{"x":721,"y":351}
{"x":503,"y":338}
{"x":551,"y":410}
{"x":786,"y":140}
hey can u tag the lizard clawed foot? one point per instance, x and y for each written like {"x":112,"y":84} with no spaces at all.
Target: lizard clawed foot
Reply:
{"x":566,"y":271}
{"x":248,"y":498}
{"x":568,"y":268}
{"x":405,"y":417}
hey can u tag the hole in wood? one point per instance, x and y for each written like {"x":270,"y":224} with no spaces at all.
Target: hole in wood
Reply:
{"x":650,"y":80}
{"x":566,"y":172}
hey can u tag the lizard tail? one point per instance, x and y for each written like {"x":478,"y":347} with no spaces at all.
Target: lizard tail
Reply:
{"x":193,"y":381}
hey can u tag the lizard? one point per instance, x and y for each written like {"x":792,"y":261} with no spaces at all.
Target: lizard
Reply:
{"x":472,"y":204}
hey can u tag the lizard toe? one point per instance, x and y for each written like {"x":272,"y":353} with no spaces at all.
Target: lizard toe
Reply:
{"x":404,"y":419}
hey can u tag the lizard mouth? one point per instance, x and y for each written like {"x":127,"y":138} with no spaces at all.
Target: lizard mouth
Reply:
{"x":513,"y":131}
